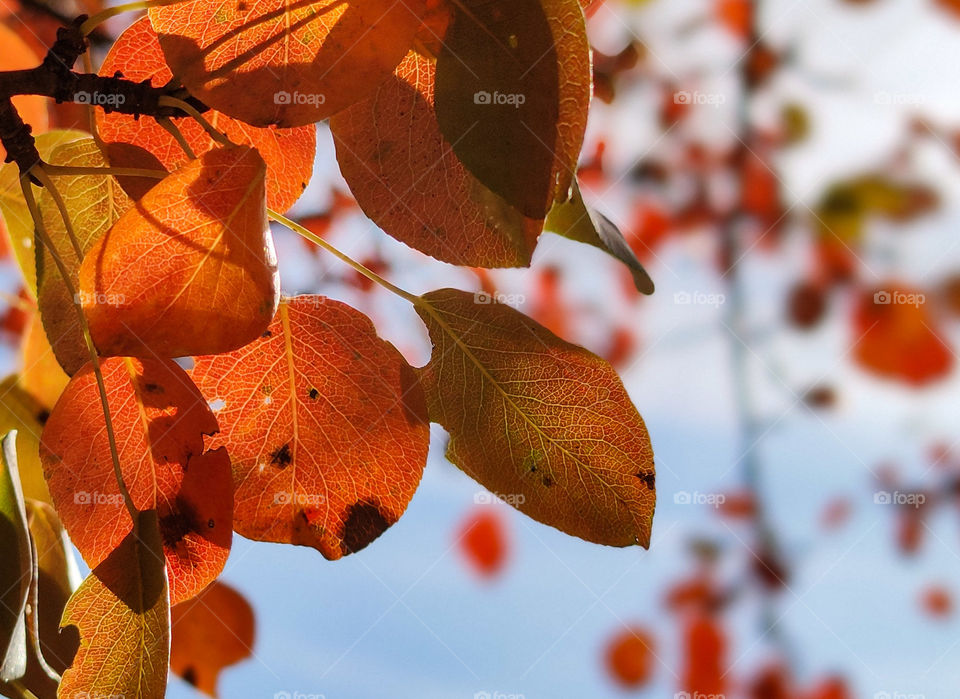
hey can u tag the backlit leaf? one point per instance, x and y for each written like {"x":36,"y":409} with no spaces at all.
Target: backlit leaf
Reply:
{"x":544,"y":421}
{"x":483,"y":540}
{"x":408,"y":180}
{"x":210,"y":632}
{"x":326,"y":426}
{"x":20,"y":412}
{"x":142,"y":142}
{"x":16,"y":216}
{"x":160,"y":420}
{"x":513,"y":90}
{"x":93,"y":204}
{"x":575,"y":220}
{"x":122,"y":611}
{"x":41,"y":375}
{"x":57,"y":578}
{"x":630,"y":657}
{"x":897,"y":336}
{"x":15,"y":572}
{"x":191,"y":268}
{"x":289,"y":64}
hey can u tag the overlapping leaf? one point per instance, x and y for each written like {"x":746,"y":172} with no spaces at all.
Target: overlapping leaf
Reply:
{"x":513,"y":90}
{"x":326,"y":426}
{"x":122,"y":611}
{"x":209,"y":633}
{"x":93,"y":204}
{"x":407,"y":179}
{"x":41,"y":375}
{"x":142,"y":142}
{"x":20,"y":412}
{"x":575,"y":220}
{"x":536,"y":418}
{"x":15,"y":573}
{"x":160,"y":420}
{"x":285,"y":63}
{"x":16,"y":216}
{"x":191,"y":268}
{"x":57,"y":578}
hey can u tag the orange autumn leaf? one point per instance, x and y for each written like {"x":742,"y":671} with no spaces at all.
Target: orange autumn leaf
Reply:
{"x":160,"y":420}
{"x":409,"y":182}
{"x":122,"y":612}
{"x":191,"y":268}
{"x":937,"y":601}
{"x":326,"y":427}
{"x":483,"y":541}
{"x":212,"y":631}
{"x":704,"y":651}
{"x":141,"y":142}
{"x":629,"y":657}
{"x":897,"y":337}
{"x":735,"y":16}
{"x":41,"y":375}
{"x":513,"y":86}
{"x":93,"y":204}
{"x":270,"y":62}
{"x":529,"y":414}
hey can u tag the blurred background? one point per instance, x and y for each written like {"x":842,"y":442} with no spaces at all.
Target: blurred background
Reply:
{"x":787,"y":171}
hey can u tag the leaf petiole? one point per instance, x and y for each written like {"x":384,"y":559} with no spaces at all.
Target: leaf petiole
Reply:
{"x":96,"y":20}
{"x":368,"y":273}
{"x":67,"y":170}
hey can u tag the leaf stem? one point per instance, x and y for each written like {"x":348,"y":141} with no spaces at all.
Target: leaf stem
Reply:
{"x":68,"y":170}
{"x":22,"y":692}
{"x":96,"y":20}
{"x":41,"y":230}
{"x":188,"y":108}
{"x":167,"y":124}
{"x":45,"y":180}
{"x":369,"y":274}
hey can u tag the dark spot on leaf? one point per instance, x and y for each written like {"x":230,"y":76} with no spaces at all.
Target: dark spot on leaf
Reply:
{"x":43,"y":416}
{"x":364,"y":523}
{"x":211,"y":523}
{"x":314,"y":393}
{"x":648,"y":479}
{"x":282,"y":457}
{"x":190,"y":675}
{"x":177,"y":523}
{"x":267,"y":333}
{"x":153,"y":388}
{"x":547,"y":481}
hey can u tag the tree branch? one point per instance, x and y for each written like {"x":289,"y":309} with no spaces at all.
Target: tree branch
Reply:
{"x":56,"y":78}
